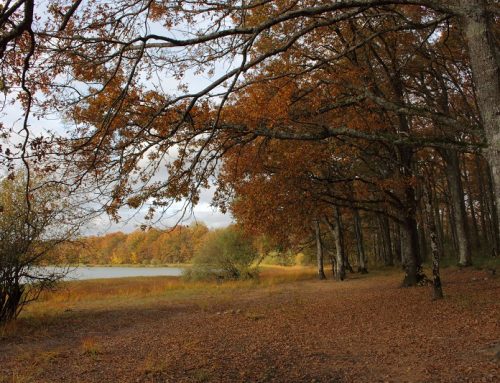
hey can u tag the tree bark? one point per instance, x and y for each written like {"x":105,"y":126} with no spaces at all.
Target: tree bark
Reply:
{"x":433,"y":234}
{"x":319,"y":251}
{"x":412,"y":262}
{"x":397,"y":243}
{"x":455,"y":187}
{"x":336,"y":229}
{"x":411,"y":251}
{"x":495,"y":243}
{"x":470,"y":202}
{"x":340,"y":244}
{"x":477,"y":27}
{"x":347,"y":263}
{"x":385,"y":232}
{"x":358,"y":232}
{"x":375,"y":247}
{"x":451,"y":225}
{"x":422,"y":239}
{"x":485,"y":233}
{"x":333,"y":262}
{"x":438,"y":221}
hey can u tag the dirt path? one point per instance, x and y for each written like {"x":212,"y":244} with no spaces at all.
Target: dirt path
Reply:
{"x":362,"y":330}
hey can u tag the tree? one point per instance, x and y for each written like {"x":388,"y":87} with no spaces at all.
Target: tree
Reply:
{"x":360,"y":247}
{"x":319,"y":250}
{"x":101,"y":57}
{"x":30,"y":228}
{"x":226,"y":254}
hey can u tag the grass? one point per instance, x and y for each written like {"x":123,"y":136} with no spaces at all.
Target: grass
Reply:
{"x":36,"y":361}
{"x":101,"y":293}
{"x":152,"y":367}
{"x":91,"y":347}
{"x":72,"y":297}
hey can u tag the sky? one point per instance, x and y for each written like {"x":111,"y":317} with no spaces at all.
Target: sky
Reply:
{"x":203,"y":212}
{"x":11,"y":116}
{"x":132,"y":220}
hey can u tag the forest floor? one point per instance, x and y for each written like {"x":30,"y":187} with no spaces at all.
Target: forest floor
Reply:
{"x":281,"y":329}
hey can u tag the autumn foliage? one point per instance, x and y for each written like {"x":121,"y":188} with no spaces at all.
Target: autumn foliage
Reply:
{"x":150,"y":247}
{"x":305,"y":114}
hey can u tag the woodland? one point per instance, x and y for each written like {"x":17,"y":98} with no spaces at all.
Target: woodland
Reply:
{"x":307,"y":114}
{"x":358,"y":133}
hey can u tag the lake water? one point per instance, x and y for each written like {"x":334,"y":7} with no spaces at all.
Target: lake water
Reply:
{"x":80,"y":273}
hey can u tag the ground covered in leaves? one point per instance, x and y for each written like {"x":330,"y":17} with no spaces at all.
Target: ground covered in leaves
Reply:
{"x":365,"y":329}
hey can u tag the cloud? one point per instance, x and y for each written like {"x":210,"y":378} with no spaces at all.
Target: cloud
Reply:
{"x":132,"y":219}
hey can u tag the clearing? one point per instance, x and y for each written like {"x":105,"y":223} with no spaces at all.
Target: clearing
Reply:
{"x":282,"y":329}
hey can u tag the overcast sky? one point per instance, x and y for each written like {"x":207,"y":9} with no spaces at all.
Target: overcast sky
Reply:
{"x":12,"y":116}
{"x":202,"y":213}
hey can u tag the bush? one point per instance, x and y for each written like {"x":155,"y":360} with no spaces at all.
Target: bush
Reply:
{"x":286,"y":258}
{"x":30,"y":235}
{"x":224,"y":254}
{"x":300,"y":259}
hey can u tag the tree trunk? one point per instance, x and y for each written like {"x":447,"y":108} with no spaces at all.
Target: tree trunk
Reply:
{"x":385,"y":232}
{"x":470,"y":202}
{"x":340,"y":244}
{"x":375,"y":246}
{"x":336,"y":229}
{"x":358,"y":232}
{"x":397,"y":243}
{"x":422,"y":240}
{"x":347,"y":264}
{"x":451,"y":225}
{"x":333,"y":262}
{"x":411,"y":253}
{"x":495,"y":243}
{"x":319,"y":251}
{"x":412,"y":262}
{"x":477,"y":27}
{"x":11,"y":300}
{"x":458,"y":206}
{"x":438,"y":221}
{"x":433,"y":234}
{"x":482,"y":201}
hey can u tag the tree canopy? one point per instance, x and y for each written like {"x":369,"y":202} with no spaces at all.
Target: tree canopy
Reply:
{"x":374,"y":87}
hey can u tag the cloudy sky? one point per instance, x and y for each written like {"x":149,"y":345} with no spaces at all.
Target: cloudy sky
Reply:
{"x":203,"y":212}
{"x":12,"y":117}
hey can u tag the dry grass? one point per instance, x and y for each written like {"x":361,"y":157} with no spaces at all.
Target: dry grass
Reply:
{"x":34,"y":363}
{"x":91,"y":346}
{"x":103,"y":293}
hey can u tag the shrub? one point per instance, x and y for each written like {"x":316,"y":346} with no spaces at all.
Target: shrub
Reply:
{"x":31,"y":230}
{"x":224,"y":254}
{"x":284,"y":258}
{"x":300,"y":259}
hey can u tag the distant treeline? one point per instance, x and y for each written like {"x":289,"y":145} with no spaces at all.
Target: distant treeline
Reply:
{"x":159,"y":247}
{"x":149,"y":247}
